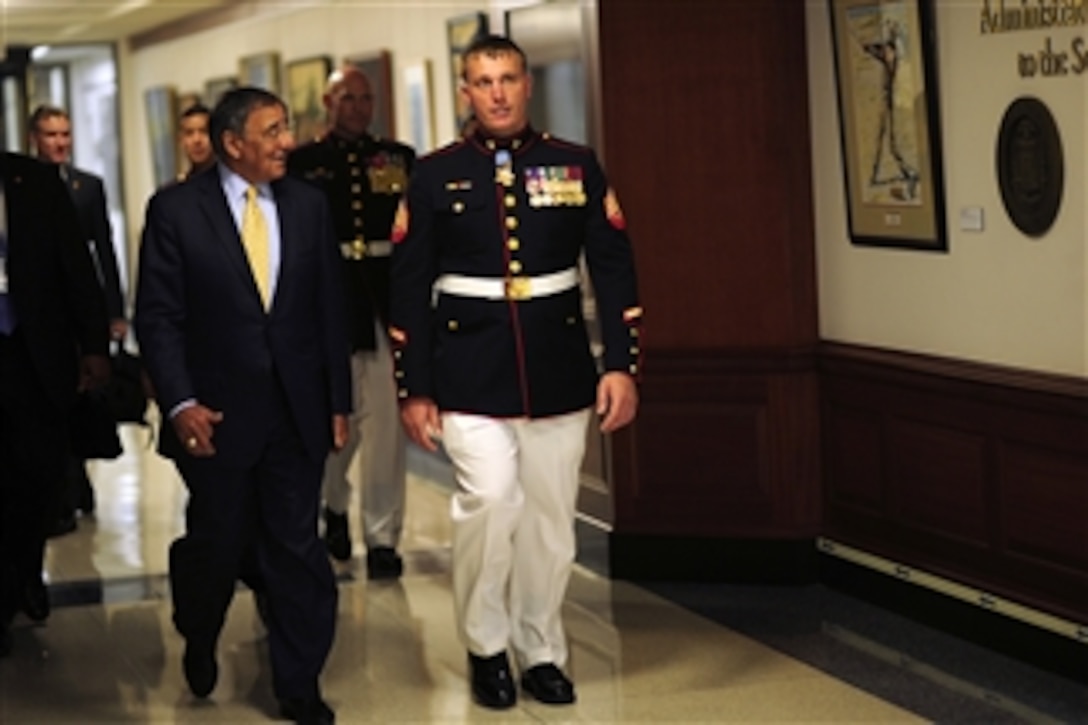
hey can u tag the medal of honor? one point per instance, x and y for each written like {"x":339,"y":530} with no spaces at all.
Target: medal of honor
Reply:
{"x":504,"y":168}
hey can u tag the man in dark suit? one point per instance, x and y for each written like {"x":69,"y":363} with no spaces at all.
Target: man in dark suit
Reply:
{"x":51,"y":134}
{"x":53,"y":340}
{"x":239,"y":315}
{"x":363,"y":178}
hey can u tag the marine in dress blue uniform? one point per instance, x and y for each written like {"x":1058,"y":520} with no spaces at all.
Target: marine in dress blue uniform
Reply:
{"x":364,"y":178}
{"x":493,"y":355}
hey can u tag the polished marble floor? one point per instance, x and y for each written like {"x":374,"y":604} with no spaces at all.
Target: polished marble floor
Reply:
{"x":109,"y":652}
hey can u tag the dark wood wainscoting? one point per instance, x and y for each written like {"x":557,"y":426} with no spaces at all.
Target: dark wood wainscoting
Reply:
{"x":970,"y":471}
{"x":724,"y":457}
{"x":706,"y":139}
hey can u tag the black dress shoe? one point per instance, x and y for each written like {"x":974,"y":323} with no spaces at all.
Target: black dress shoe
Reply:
{"x":307,"y":711}
{"x":201,"y":669}
{"x":548,"y":684}
{"x":383,"y":562}
{"x":337,"y":537}
{"x":492,"y":683}
{"x":36,"y":600}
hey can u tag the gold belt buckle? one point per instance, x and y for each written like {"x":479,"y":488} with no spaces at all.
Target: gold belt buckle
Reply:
{"x":517,"y":288}
{"x":358,"y":249}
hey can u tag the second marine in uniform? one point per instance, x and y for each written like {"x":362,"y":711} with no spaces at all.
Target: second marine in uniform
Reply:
{"x":363,"y":178}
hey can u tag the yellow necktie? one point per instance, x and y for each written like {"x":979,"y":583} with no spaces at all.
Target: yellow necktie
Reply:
{"x":255,"y":241}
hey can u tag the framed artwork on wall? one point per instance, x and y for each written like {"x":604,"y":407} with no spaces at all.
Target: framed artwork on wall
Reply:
{"x":460,"y":32}
{"x":161,"y":108}
{"x":261,"y":70}
{"x":378,"y":68}
{"x":304,"y":89}
{"x":889,"y":122}
{"x":419,"y":91}
{"x":214,"y":88}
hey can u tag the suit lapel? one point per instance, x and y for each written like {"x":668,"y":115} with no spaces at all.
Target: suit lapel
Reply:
{"x":213,"y":204}
{"x":288,"y":219}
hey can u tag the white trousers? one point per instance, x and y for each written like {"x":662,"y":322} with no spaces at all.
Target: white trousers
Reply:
{"x":376,"y":433}
{"x":513,"y":530}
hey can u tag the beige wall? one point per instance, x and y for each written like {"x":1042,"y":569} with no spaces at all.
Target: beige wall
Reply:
{"x":996,"y":296}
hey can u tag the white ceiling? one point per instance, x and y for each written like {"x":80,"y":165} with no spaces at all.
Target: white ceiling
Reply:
{"x":53,"y":22}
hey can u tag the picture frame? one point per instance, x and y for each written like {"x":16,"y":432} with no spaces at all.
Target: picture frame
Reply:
{"x":419,"y":92}
{"x":161,"y":109}
{"x":261,"y":70}
{"x":378,"y":68}
{"x":461,"y":31}
{"x":214,"y":88}
{"x":890,"y":122}
{"x":304,"y":91}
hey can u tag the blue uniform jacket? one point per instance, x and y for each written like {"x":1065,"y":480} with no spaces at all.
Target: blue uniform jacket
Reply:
{"x":470,"y":214}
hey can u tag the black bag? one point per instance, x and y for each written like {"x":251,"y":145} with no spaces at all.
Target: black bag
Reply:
{"x":124,"y":393}
{"x":93,"y":429}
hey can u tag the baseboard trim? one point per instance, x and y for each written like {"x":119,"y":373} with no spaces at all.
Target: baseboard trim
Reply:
{"x":1076,"y":631}
{"x":1037,"y":638}
{"x":699,"y":559}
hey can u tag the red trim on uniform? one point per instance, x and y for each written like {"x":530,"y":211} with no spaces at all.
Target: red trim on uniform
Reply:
{"x":519,"y":349}
{"x":515,"y":322}
{"x":525,"y":145}
{"x":448,"y":148}
{"x":564,"y":144}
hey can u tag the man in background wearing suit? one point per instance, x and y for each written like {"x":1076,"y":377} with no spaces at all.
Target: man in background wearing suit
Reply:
{"x":239,"y":315}
{"x":53,"y":340}
{"x":51,"y":134}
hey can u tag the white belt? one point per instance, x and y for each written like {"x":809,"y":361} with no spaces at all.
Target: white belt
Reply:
{"x":507,"y":288}
{"x":360,"y":248}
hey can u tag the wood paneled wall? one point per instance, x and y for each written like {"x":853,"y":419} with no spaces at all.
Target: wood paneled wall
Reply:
{"x":749,"y":430}
{"x":706,"y":139}
{"x":969,"y":471}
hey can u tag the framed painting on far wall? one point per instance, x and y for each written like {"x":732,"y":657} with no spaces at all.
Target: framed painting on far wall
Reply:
{"x":214,"y":88}
{"x":304,"y":89}
{"x":889,"y":122}
{"x":420,"y":94}
{"x":460,"y":32}
{"x":378,"y":68}
{"x":261,"y":70}
{"x":161,"y":108}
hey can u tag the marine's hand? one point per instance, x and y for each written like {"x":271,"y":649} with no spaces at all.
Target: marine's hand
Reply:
{"x":421,"y":422}
{"x":195,"y":427}
{"x":118,"y":328}
{"x":339,"y":431}
{"x":617,"y":400}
